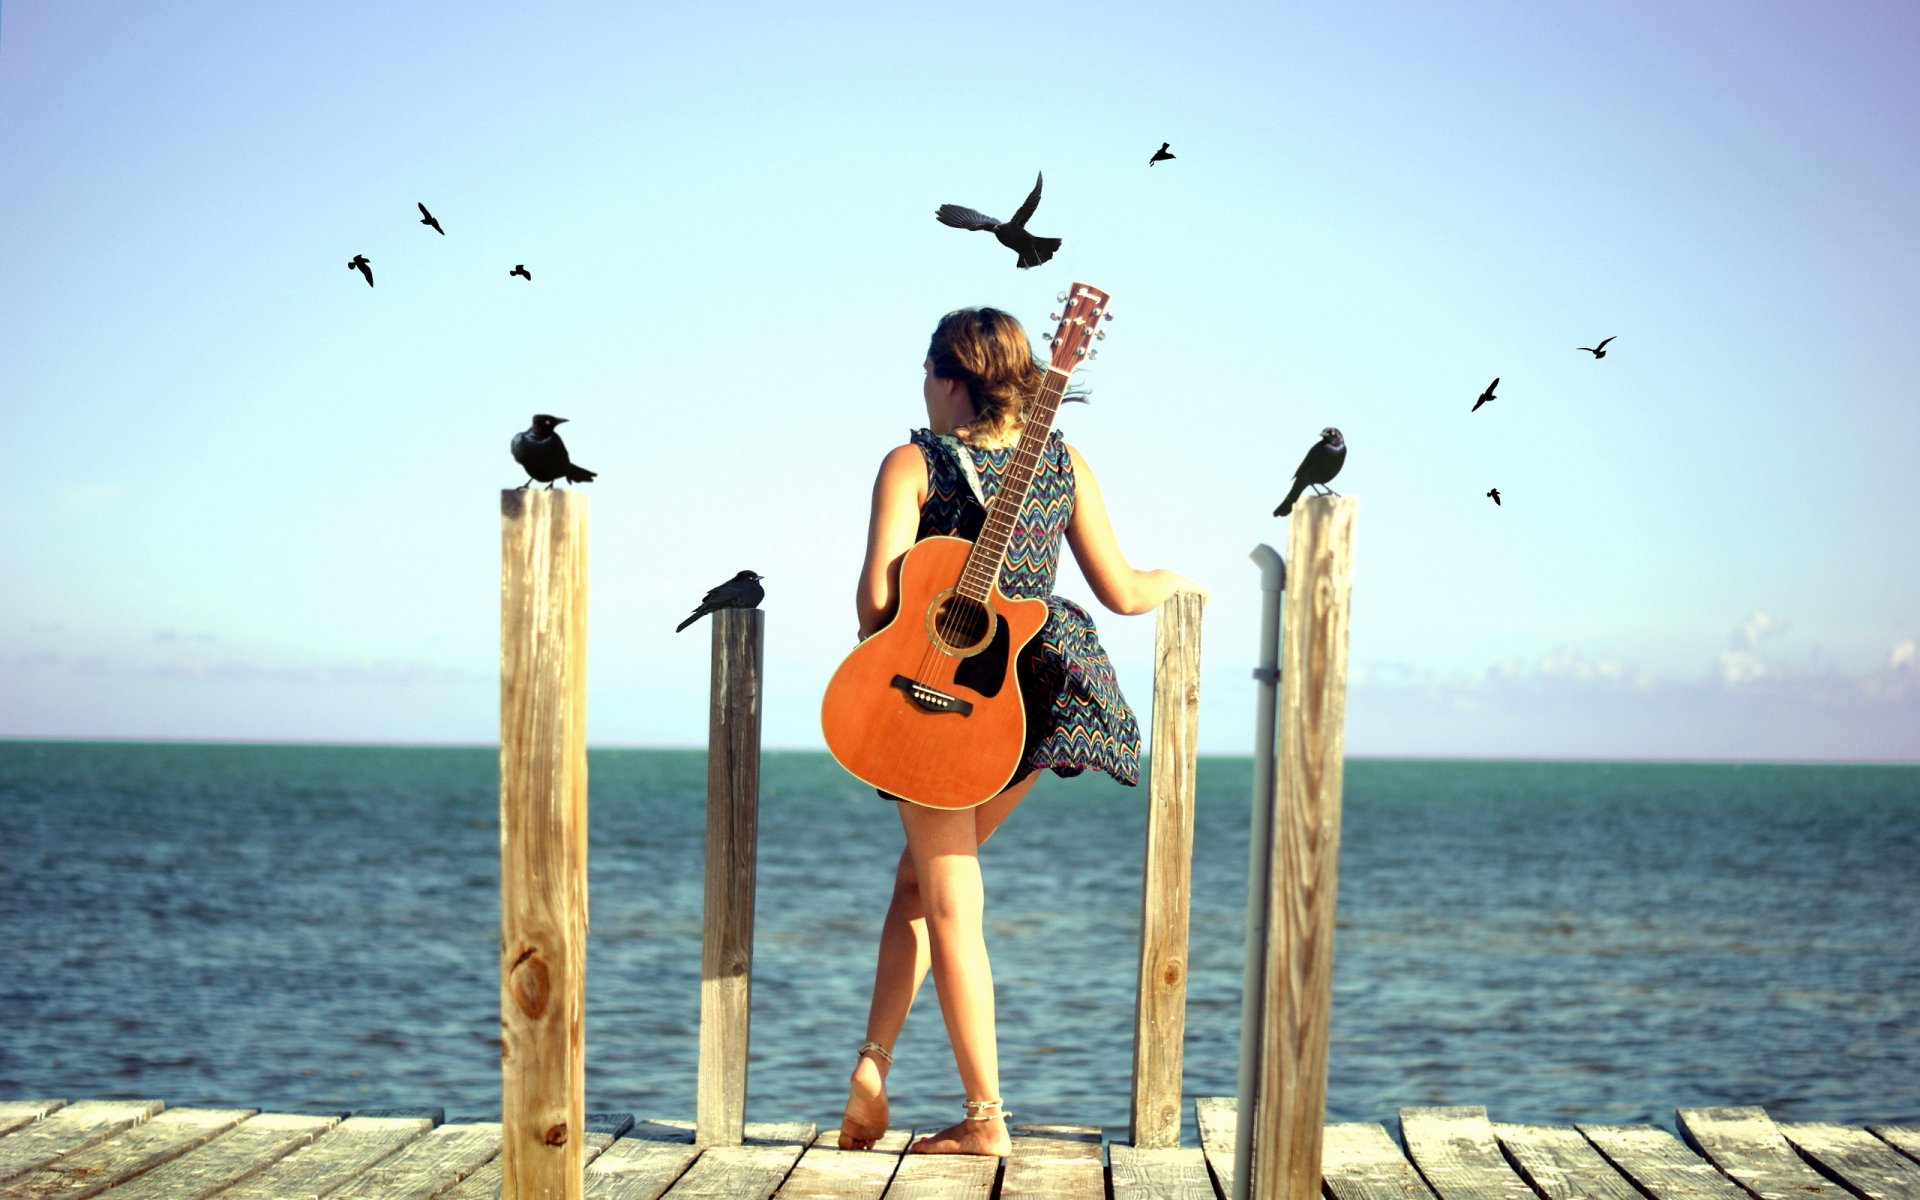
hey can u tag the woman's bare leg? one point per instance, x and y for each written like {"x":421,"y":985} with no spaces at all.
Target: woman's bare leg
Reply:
{"x":902,"y":964}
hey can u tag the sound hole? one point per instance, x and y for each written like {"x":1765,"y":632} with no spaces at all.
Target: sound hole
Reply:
{"x":959,"y":625}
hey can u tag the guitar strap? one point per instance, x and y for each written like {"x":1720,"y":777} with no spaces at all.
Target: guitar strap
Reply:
{"x":958,"y":450}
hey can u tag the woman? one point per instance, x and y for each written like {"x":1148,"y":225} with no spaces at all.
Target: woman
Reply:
{"x":980,"y":373}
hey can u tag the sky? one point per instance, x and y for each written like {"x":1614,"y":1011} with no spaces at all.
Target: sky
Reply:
{"x":251,"y":498}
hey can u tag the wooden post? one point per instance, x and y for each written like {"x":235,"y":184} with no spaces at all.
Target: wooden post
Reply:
{"x":543,"y":842}
{"x":1160,"y":1005}
{"x":1291,"y":1112}
{"x":733,"y":822}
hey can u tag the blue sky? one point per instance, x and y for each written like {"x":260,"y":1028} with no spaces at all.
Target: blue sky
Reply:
{"x":252,"y":498}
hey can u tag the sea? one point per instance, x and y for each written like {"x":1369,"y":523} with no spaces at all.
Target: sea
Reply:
{"x":303,"y":927}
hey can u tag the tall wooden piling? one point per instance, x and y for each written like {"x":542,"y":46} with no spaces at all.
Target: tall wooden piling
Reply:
{"x":543,"y":842}
{"x":1160,"y":1005}
{"x":1291,"y":1110}
{"x":733,"y":824}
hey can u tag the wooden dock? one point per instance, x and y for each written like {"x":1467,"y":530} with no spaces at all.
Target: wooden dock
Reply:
{"x":127,"y":1149}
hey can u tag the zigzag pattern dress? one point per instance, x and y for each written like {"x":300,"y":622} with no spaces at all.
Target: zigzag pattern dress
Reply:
{"x":1077,"y":720}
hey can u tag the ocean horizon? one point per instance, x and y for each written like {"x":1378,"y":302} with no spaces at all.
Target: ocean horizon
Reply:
{"x":315,"y":925}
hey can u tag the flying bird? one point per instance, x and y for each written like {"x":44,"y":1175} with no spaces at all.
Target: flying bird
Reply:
{"x":1012,"y":234}
{"x":359,"y":263}
{"x":1495,"y":493}
{"x":520,"y":269}
{"x":742,"y":591}
{"x":1323,"y":461}
{"x":1160,"y":155}
{"x":1599,"y":351}
{"x":1486,"y":395}
{"x":426,"y":218}
{"x":543,"y":455}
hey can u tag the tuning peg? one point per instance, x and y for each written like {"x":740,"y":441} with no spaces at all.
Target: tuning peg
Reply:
{"x":1107,"y":315}
{"x":1080,"y":353}
{"x":1093,"y":355}
{"x":1062,"y":297}
{"x":1047,"y":338}
{"x":1053,"y":316}
{"x":1099,"y":335}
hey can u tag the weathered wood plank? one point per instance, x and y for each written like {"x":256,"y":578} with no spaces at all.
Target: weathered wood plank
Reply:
{"x":1659,"y":1164}
{"x":332,"y":1159}
{"x":68,"y":1129}
{"x":1172,"y":1174}
{"x":749,"y":1172}
{"x":1361,"y":1162}
{"x":97,"y":1167}
{"x":432,"y":1163}
{"x":1747,"y":1145}
{"x":1219,"y":1120}
{"x":1903,"y":1138}
{"x":485,"y":1183}
{"x":826,"y":1172}
{"x":1562,"y":1165}
{"x":543,"y":840}
{"x":1296,"y":991}
{"x":1455,"y":1150}
{"x":17,"y":1113}
{"x":944,"y":1176}
{"x":1054,"y":1162}
{"x":1862,"y":1161}
{"x":1160,"y":1000}
{"x":253,"y":1145}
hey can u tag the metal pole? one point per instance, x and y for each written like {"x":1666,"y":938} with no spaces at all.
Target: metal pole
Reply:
{"x":1273,"y":582}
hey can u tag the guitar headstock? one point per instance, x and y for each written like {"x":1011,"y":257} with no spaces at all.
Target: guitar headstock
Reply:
{"x":1086,"y":308}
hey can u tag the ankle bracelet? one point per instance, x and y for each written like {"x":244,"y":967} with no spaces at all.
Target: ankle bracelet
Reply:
{"x":878,"y":1051}
{"x":976,"y":1110}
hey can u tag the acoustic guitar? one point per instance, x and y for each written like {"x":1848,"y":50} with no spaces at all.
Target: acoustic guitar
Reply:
{"x":929,"y":707}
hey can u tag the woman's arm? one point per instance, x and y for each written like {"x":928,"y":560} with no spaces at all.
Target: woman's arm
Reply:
{"x":1117,"y":585}
{"x":898,"y":492}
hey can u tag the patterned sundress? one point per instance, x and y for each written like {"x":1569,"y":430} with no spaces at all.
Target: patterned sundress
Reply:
{"x":1077,"y":720}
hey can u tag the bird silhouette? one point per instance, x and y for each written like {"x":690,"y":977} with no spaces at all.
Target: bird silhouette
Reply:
{"x":1495,"y":493}
{"x":1486,"y":395}
{"x":520,"y":269}
{"x":543,"y":455}
{"x":359,"y":263}
{"x":1160,"y":155}
{"x":1012,"y":234}
{"x":426,"y":218}
{"x":1599,"y":351}
{"x":1323,"y":461}
{"x":742,"y":591}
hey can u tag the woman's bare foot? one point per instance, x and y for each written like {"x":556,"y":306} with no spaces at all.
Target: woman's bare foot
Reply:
{"x":987,"y":1137}
{"x":865,"y":1121}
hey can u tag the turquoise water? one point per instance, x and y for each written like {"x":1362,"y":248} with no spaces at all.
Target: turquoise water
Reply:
{"x":305,"y":927}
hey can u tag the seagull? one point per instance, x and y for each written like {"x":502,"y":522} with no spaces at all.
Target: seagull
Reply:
{"x":1323,"y":461}
{"x":1486,"y":395}
{"x":520,"y":269}
{"x":1160,"y":155}
{"x":1495,"y":493}
{"x":359,"y":263}
{"x":1012,"y":234}
{"x":426,"y":218}
{"x":1599,"y":351}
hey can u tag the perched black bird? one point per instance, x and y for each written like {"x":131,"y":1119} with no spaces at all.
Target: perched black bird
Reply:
{"x":544,"y":456}
{"x":1160,"y":155}
{"x":359,"y":263}
{"x":1323,"y":461}
{"x":1495,"y":493}
{"x":520,"y":269}
{"x":426,"y":218}
{"x":1486,"y":395}
{"x":1599,"y":351}
{"x":1012,"y":234}
{"x":742,"y":591}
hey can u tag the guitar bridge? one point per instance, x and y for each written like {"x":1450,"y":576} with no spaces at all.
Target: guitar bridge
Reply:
{"x":931,"y":699}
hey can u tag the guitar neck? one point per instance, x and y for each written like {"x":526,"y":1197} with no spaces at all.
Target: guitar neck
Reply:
{"x":990,"y":548}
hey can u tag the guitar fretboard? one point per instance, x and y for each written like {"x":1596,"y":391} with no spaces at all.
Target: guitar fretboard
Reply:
{"x":990,"y":548}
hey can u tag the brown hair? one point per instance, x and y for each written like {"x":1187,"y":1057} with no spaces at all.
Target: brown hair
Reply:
{"x":988,"y":351}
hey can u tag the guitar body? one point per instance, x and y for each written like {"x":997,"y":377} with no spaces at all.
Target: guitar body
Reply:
{"x":929,"y":707}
